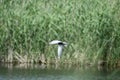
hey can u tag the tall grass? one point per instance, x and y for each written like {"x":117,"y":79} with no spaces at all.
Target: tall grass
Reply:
{"x":91,"y":27}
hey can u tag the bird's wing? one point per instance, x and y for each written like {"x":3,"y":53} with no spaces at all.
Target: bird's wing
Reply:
{"x":64,"y":43}
{"x":55,"y":42}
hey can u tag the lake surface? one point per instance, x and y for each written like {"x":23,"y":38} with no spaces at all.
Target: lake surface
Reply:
{"x":56,"y":72}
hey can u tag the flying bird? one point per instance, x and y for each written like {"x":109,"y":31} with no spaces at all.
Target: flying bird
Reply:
{"x":60,"y":46}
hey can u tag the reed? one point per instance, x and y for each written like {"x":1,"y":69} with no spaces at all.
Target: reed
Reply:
{"x":91,"y":27}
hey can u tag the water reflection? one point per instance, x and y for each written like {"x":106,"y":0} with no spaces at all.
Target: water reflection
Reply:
{"x":56,"y":72}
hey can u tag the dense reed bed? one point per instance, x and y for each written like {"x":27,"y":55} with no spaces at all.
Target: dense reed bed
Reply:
{"x":91,"y":27}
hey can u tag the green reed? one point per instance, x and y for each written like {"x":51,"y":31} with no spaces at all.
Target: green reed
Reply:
{"x":91,"y":27}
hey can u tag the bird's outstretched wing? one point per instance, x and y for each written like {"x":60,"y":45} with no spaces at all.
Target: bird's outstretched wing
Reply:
{"x":55,"y":42}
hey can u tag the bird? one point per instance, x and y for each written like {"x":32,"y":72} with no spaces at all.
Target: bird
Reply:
{"x":60,"y":46}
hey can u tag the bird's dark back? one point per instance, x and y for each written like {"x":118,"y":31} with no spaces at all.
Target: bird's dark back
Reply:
{"x":61,"y":43}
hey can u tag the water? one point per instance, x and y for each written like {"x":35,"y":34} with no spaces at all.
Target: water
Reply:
{"x":53,"y":72}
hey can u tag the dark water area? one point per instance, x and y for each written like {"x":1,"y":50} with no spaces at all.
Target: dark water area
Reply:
{"x":56,"y":72}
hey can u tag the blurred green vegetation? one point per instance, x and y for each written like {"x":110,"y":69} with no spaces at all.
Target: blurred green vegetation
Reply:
{"x":91,"y":27}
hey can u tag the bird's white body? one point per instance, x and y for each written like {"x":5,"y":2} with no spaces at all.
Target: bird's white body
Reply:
{"x":60,"y":46}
